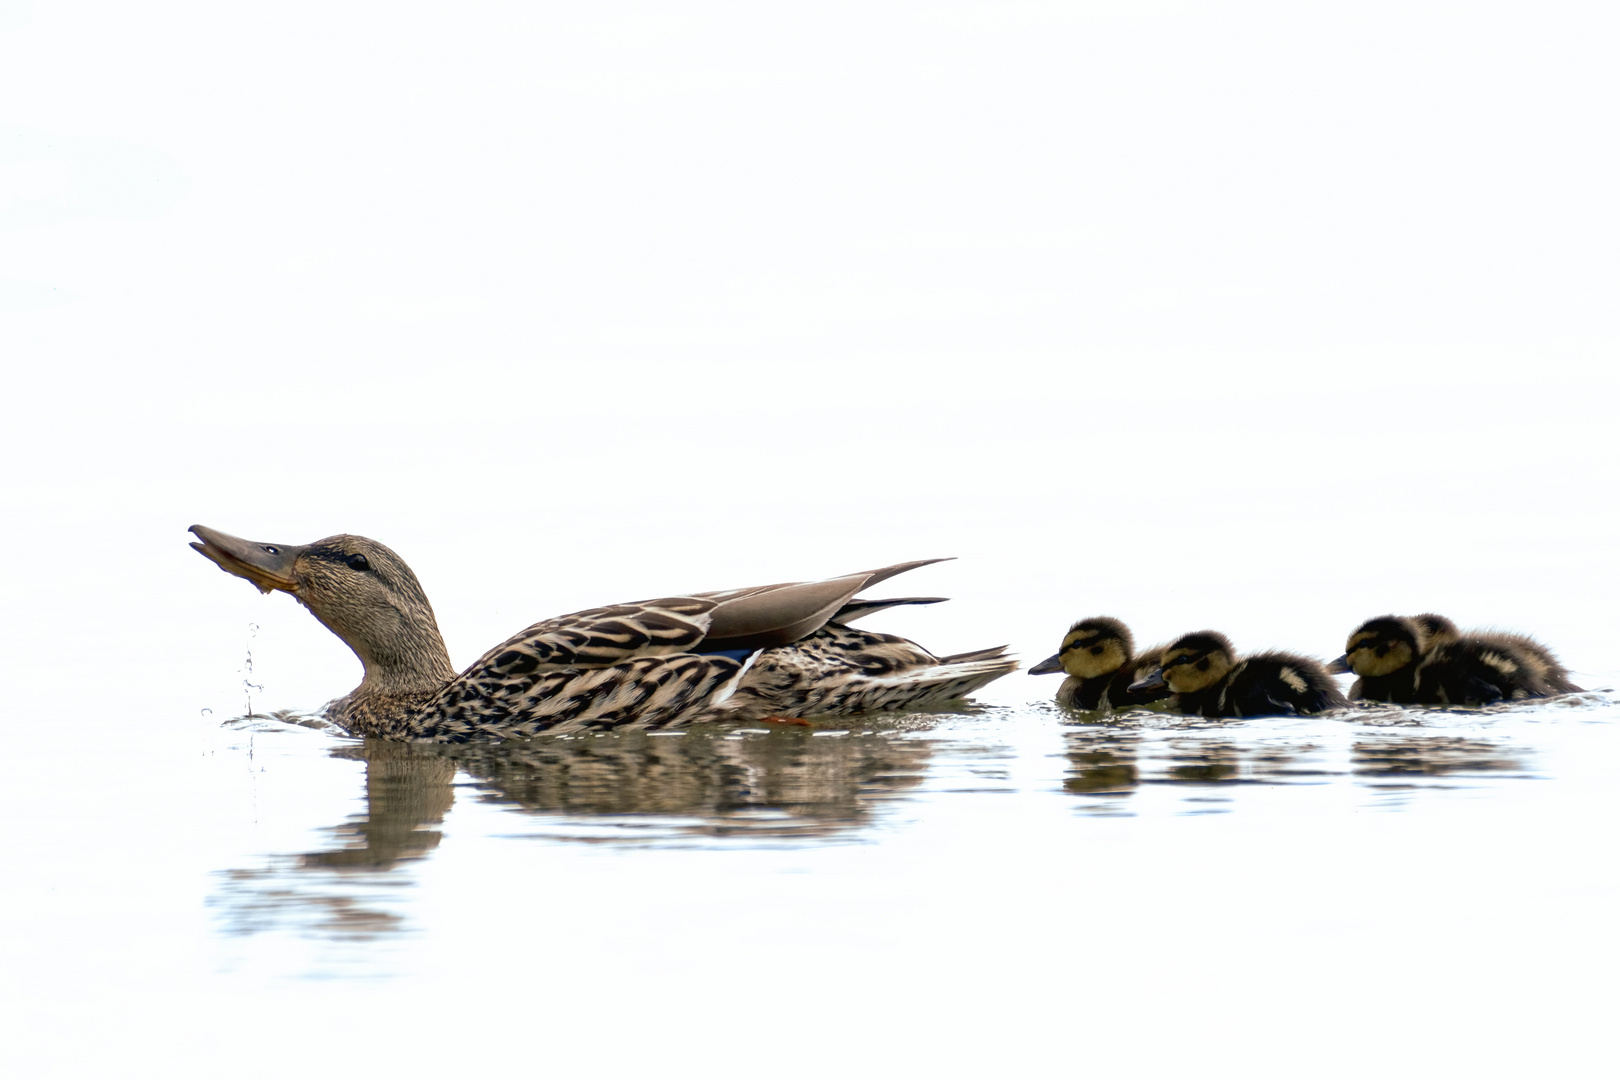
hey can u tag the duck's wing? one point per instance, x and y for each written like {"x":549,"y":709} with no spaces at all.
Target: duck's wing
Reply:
{"x":778,"y":614}
{"x":734,"y":619}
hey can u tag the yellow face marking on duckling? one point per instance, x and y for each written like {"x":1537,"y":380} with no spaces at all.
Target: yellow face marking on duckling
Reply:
{"x":1187,"y":671}
{"x":1365,"y":659}
{"x":1293,"y":679}
{"x":1087,"y":655}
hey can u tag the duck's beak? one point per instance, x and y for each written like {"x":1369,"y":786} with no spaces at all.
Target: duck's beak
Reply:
{"x":1052,"y":665}
{"x":1153,"y":680}
{"x":269,"y":566}
{"x":1341,"y":666}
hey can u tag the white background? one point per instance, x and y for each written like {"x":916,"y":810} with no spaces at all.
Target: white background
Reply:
{"x":1265,"y":317}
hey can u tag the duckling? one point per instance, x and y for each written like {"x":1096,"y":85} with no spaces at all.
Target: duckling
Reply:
{"x":1554,"y":676}
{"x":1426,"y":660}
{"x":1384,"y":654}
{"x":1209,"y":680}
{"x":1099,"y":657}
{"x":740,"y":654}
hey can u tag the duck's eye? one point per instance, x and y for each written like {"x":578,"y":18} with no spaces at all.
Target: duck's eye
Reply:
{"x":272,"y":549}
{"x":358,"y":562}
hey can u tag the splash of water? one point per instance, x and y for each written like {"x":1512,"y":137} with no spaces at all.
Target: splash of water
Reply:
{"x":248,"y":685}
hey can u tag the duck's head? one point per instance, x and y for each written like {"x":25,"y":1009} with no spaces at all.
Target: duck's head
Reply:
{"x":1192,"y":662}
{"x":1382,"y":646}
{"x":1092,"y":648}
{"x":359,"y":589}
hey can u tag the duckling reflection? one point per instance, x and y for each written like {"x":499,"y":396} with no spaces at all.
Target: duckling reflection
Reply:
{"x":1115,"y":761}
{"x":1101,"y":762}
{"x":1431,"y":755}
{"x":1201,"y":761}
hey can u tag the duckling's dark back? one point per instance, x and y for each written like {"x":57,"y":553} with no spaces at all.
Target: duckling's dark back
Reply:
{"x":1552,"y":676}
{"x":1277,"y":684}
{"x":1481,"y":670}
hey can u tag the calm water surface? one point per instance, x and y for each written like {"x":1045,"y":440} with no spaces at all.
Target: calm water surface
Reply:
{"x":1010,"y":887}
{"x":1031,"y":874}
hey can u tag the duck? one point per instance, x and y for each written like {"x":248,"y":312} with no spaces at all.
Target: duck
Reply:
{"x":1426,"y":660}
{"x":1208,"y":679}
{"x":777,"y":652}
{"x":1100,"y":658}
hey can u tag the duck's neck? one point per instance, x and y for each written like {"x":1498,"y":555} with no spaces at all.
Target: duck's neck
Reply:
{"x":403,"y":652}
{"x":413,"y":667}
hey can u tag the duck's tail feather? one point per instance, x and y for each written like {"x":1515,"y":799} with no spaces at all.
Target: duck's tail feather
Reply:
{"x":861,"y":608}
{"x":948,"y":680}
{"x":997,"y":653}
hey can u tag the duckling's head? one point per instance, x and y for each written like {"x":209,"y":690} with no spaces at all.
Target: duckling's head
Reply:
{"x":359,"y":589}
{"x":1382,"y":646}
{"x":1092,"y":648}
{"x":1197,"y":661}
{"x":1436,"y":630}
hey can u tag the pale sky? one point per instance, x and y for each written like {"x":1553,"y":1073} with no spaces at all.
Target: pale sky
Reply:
{"x":1263,"y":316}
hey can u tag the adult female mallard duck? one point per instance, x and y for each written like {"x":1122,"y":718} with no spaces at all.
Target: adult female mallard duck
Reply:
{"x":1100,"y":658}
{"x":771,"y":651}
{"x":1426,"y":660}
{"x":1209,"y":680}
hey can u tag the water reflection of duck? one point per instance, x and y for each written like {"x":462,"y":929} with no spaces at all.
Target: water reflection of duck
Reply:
{"x":1100,"y":658}
{"x":1426,"y":660}
{"x":405,"y":791}
{"x":810,"y":786}
{"x":740,"y":654}
{"x":1209,"y":680}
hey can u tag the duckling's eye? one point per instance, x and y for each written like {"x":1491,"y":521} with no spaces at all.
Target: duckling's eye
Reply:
{"x":358,"y":562}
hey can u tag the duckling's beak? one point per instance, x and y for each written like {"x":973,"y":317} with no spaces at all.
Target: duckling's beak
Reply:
{"x":1341,"y":666}
{"x":1153,"y":680}
{"x":1052,"y":665}
{"x":269,"y":566}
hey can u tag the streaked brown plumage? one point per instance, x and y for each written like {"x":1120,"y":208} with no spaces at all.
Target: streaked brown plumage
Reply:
{"x":738,"y":654}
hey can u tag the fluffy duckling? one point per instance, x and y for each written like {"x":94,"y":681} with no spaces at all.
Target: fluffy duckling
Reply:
{"x":1099,"y":656}
{"x":1385,"y":652}
{"x":1426,"y":660}
{"x":1554,"y":676}
{"x":1208,"y":679}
